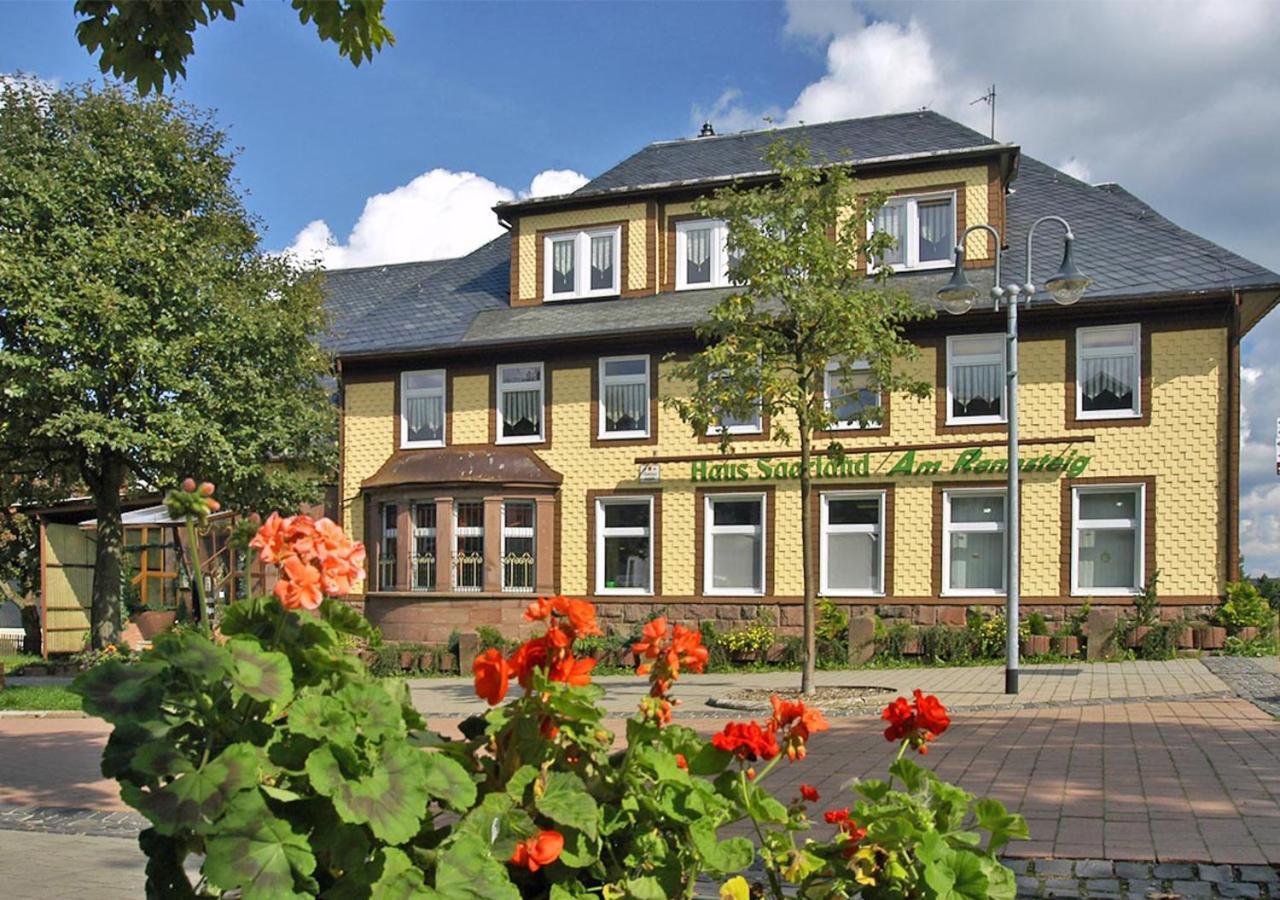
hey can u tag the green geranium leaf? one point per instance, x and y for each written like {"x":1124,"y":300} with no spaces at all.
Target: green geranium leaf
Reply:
{"x":259,"y":854}
{"x":467,"y":870}
{"x":646,"y":888}
{"x":252,"y":615}
{"x":725,"y":857}
{"x":121,"y":692}
{"x":262,"y":674}
{"x":579,"y":850}
{"x":391,"y":799}
{"x":400,"y":879}
{"x":523,"y":777}
{"x":499,"y":823}
{"x":160,"y":759}
{"x":166,"y":874}
{"x":194,"y":654}
{"x":1001,"y":885}
{"x":323,"y":717}
{"x":126,"y":740}
{"x":375,"y":712}
{"x":565,"y":800}
{"x":873,"y":789}
{"x":196,"y":799}
{"x":448,"y":781}
{"x":911,"y":774}
{"x":569,"y":890}
{"x":1003,"y":825}
{"x":346,"y":620}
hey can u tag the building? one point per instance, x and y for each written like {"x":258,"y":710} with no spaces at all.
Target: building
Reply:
{"x":502,"y":433}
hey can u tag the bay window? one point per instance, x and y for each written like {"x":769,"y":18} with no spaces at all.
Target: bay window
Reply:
{"x":852,"y":548}
{"x":520,"y":403}
{"x":584,"y":263}
{"x":422,"y":561}
{"x":624,"y":397}
{"x":387,"y":546}
{"x":517,"y":545}
{"x":733,"y":544}
{"x":848,"y":397}
{"x":975,"y":379}
{"x":422,"y":408}
{"x":1107,"y":539}
{"x":973,"y":542}
{"x":1108,"y":372}
{"x":468,"y":545}
{"x":624,"y":545}
{"x":702,"y":254}
{"x":923,"y":228}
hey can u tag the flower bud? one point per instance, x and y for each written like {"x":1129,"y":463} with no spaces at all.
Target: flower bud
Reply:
{"x":188,"y":485}
{"x":206,"y":488}
{"x":213,"y":505}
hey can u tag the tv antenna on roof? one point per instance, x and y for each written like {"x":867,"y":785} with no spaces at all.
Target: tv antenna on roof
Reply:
{"x":990,"y":99}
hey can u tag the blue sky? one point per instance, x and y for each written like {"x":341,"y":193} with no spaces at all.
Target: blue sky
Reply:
{"x":480,"y":102}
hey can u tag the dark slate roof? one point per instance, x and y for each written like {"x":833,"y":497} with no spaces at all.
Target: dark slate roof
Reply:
{"x":1128,"y":248}
{"x":851,"y":140}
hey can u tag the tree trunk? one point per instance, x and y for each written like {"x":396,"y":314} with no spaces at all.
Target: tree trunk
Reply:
{"x":806,"y":556}
{"x":104,"y":612}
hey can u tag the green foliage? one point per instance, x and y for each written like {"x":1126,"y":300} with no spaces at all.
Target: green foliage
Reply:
{"x":1244,"y":607}
{"x":145,"y":41}
{"x":989,"y":633}
{"x":891,"y":642}
{"x":37,"y":697}
{"x":1037,"y":625}
{"x":1270,"y":589}
{"x":1074,"y":624}
{"x":947,"y":645}
{"x":755,"y":640}
{"x":126,"y":256}
{"x":1263,"y":645}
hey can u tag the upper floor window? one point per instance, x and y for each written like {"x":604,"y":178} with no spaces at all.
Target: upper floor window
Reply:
{"x":923,"y":228}
{"x":734,"y":424}
{"x":1108,"y":372}
{"x":702,"y":254}
{"x":975,"y":379}
{"x":520,"y":403}
{"x":422,"y":408}
{"x":583,"y":263}
{"x":849,"y":397}
{"x":624,"y":397}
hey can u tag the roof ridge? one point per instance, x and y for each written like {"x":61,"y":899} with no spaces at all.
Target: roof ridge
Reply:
{"x":747,"y":131}
{"x":397,"y":265}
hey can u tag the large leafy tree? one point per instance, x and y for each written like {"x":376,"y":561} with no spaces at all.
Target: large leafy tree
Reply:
{"x":799,"y":246}
{"x":143,"y":41}
{"x":143,"y":333}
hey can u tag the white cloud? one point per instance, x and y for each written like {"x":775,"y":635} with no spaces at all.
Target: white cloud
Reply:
{"x":438,"y":215}
{"x":1075,"y":168}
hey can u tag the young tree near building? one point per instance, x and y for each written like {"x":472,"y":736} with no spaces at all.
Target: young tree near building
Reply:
{"x":144,"y":335}
{"x":799,"y":248}
{"x":143,"y":41}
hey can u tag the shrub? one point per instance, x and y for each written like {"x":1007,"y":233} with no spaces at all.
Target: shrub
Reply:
{"x":945,"y":644}
{"x":988,"y":633}
{"x":1037,"y":625}
{"x":1244,"y":607}
{"x":488,"y":636}
{"x":891,"y":642}
{"x":756,"y":639}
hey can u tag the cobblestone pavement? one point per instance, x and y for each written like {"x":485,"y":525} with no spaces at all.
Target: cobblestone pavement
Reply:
{"x":1254,"y":679}
{"x":1106,"y":878}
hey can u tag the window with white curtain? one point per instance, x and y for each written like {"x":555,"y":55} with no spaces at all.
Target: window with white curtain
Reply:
{"x":520,"y":403}
{"x":848,"y":397}
{"x":733,"y":544}
{"x":923,"y":228}
{"x":1107,"y":539}
{"x":702,"y":254}
{"x":624,"y":397}
{"x":973,"y":536}
{"x":583,"y":263}
{"x":624,"y":545}
{"x":975,"y":379}
{"x":422,"y":408}
{"x":1108,"y":372}
{"x":517,"y":545}
{"x":852,"y":549}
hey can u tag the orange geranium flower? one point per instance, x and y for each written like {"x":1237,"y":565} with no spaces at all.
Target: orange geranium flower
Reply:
{"x":542,"y":849}
{"x":576,"y":672}
{"x":299,"y":588}
{"x":798,"y":721}
{"x":492,"y":676}
{"x":312,"y":555}
{"x":746,"y":740}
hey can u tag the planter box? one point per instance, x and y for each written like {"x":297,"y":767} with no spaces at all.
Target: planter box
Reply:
{"x":744,"y":656}
{"x":154,"y":622}
{"x":407,"y":660}
{"x":911,"y":647}
{"x":1066,"y":645}
{"x":1135,"y":638}
{"x":1186,"y":638}
{"x":1248,"y":633}
{"x":1035,"y":645}
{"x":1210,"y":637}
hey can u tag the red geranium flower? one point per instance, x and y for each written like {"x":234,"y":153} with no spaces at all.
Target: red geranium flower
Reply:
{"x":540,"y":850}
{"x":809,"y":793}
{"x":492,"y":676}
{"x":916,"y":724}
{"x":746,"y":740}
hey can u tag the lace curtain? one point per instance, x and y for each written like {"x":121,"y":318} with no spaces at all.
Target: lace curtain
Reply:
{"x":426,"y":418}
{"x":936,"y":241}
{"x":1107,"y":374}
{"x":521,"y":412}
{"x":562,"y":266}
{"x":601,"y":263}
{"x":982,"y":381}
{"x":625,"y":407}
{"x":889,"y":220}
{"x":698,"y":255}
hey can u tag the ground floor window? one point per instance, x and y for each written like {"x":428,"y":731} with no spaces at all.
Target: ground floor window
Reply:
{"x":973,"y":541}
{"x":734,"y":544}
{"x":422,"y":563}
{"x":468,"y":545}
{"x":517,"y":545}
{"x":852,"y":548}
{"x":387,"y":547}
{"x":1107,"y":539}
{"x":624,"y":545}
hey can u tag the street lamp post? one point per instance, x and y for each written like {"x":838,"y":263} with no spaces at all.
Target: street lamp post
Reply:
{"x":957,"y":298}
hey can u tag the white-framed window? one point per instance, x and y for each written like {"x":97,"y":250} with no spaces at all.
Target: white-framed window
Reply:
{"x":1107,"y":539}
{"x":847,"y":397}
{"x":702,"y":254}
{"x":520,"y":403}
{"x":973,"y":536}
{"x":624,"y":545}
{"x":924,"y":229}
{"x":624,"y":397}
{"x":975,"y":379}
{"x":733,"y":544}
{"x":585,"y":263}
{"x":518,"y":545}
{"x":852,"y":552}
{"x":1109,"y":372}
{"x":422,"y":562}
{"x":422,"y":409}
{"x":468,"y":545}
{"x":752,"y":424}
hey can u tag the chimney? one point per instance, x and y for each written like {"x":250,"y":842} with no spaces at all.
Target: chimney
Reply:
{"x":707,"y":130}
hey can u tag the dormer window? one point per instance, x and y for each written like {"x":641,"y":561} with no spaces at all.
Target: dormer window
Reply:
{"x":583,"y":263}
{"x":702,"y":254}
{"x":923,"y":228}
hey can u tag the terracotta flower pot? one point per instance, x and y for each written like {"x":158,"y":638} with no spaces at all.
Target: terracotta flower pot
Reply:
{"x":911,"y":647}
{"x":153,"y":622}
{"x":1066,"y":645}
{"x":1035,"y":645}
{"x":426,"y":662}
{"x":1211,"y":637}
{"x":407,"y":659}
{"x":1135,"y":638}
{"x":1186,"y":638}
{"x":449,"y":664}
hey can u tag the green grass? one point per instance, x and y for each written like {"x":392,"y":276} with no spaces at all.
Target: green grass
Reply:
{"x":39,"y":697}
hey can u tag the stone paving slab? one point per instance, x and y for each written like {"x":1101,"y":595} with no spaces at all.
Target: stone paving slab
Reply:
{"x":1254,"y":679}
